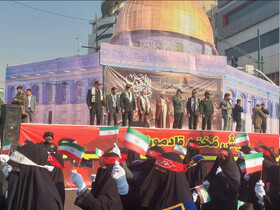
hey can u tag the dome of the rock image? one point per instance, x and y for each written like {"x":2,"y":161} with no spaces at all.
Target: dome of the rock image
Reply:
{"x":164,"y":25}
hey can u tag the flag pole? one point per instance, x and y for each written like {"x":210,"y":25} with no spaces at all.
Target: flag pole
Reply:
{"x":261,"y":174}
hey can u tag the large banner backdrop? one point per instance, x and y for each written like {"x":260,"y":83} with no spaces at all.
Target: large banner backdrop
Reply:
{"x":156,"y":81}
{"x":88,"y":136}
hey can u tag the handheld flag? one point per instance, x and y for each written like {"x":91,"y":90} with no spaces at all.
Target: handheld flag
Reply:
{"x":242,"y":140}
{"x":109,"y":131}
{"x":99,"y":152}
{"x":73,"y":151}
{"x":240,"y":203}
{"x":52,"y":160}
{"x":136,"y":141}
{"x":253,"y":162}
{"x":180,"y":150}
{"x":6,"y":146}
{"x":242,"y":167}
{"x":189,"y":205}
{"x":85,"y":163}
{"x":203,"y":193}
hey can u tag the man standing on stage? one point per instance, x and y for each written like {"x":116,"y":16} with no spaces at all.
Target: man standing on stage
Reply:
{"x":112,"y":106}
{"x":193,"y":110}
{"x":179,"y":109}
{"x":144,"y":108}
{"x":30,"y":106}
{"x":207,"y":111}
{"x":95,"y":103}
{"x":128,"y":105}
{"x":162,"y":111}
{"x":257,"y":118}
{"x":227,"y":108}
{"x":237,"y":114}
{"x":264,"y":123}
{"x":20,"y":100}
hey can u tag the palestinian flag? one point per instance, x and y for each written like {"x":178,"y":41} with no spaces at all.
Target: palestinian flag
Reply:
{"x":253,"y":162}
{"x":52,"y":160}
{"x":242,"y":167}
{"x":99,"y":152}
{"x":109,"y":131}
{"x":180,"y":150}
{"x":73,"y":151}
{"x":136,"y":141}
{"x":240,"y":203}
{"x":242,"y":140}
{"x":203,"y":194}
{"x":6,"y":146}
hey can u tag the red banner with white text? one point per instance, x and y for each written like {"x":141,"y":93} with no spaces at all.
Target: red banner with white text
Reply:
{"x":88,"y":136}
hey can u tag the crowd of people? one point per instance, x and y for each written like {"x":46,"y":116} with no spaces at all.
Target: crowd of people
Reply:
{"x":164,"y":180}
{"x":195,"y":108}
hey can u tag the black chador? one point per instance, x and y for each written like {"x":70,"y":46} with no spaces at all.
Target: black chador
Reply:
{"x":196,"y":168}
{"x":104,"y":193}
{"x":30,"y":185}
{"x":224,"y":185}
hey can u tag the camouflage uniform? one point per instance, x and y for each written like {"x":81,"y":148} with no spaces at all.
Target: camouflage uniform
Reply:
{"x":21,"y":97}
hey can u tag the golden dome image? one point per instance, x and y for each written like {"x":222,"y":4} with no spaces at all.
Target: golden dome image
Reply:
{"x":184,"y":18}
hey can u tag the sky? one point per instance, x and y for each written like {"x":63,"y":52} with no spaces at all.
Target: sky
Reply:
{"x":28,"y":35}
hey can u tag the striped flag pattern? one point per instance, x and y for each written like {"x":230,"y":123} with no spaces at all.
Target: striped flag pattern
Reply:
{"x":109,"y":131}
{"x":180,"y":150}
{"x":253,"y":162}
{"x":6,"y":146}
{"x":242,"y":140}
{"x":73,"y":151}
{"x":99,"y":152}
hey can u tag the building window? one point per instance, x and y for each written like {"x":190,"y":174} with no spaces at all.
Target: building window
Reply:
{"x":251,"y":45}
{"x":60,"y":96}
{"x":76,"y":92}
{"x":104,"y":36}
{"x":242,"y":10}
{"x":276,"y":111}
{"x":35,"y":92}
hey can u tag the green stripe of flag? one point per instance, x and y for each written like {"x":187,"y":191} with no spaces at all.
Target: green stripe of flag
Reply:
{"x":241,"y":135}
{"x":108,"y":128}
{"x":6,"y":143}
{"x":78,"y":147}
{"x":138,"y":134}
{"x":253,"y":156}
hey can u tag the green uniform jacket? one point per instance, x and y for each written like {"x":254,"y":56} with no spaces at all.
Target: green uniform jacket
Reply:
{"x":125,"y":104}
{"x":189,"y":107}
{"x":265,"y":111}
{"x":21,"y":97}
{"x":207,"y":108}
{"x":178,"y":104}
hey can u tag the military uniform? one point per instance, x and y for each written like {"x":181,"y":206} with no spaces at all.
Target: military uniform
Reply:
{"x":207,"y":109}
{"x":96,"y":102}
{"x":257,"y":119}
{"x":128,"y":105}
{"x":21,"y":97}
{"x":49,"y":147}
{"x":227,"y":114}
{"x":179,"y":109}
{"x":264,"y":123}
{"x":193,"y":109}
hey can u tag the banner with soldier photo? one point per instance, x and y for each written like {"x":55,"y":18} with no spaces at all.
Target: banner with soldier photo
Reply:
{"x":154,"y":82}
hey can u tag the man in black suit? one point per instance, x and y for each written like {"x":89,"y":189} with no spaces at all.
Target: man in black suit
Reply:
{"x":237,"y":114}
{"x":128,"y":105}
{"x":112,"y":106}
{"x":95,"y":103}
{"x":193,"y":110}
{"x":264,"y":123}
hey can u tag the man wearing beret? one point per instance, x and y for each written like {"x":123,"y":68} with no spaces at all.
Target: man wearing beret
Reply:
{"x":179,"y":109}
{"x":207,"y":111}
{"x":47,"y":144}
{"x":193,"y":110}
{"x":95,"y":103}
{"x":128,"y":105}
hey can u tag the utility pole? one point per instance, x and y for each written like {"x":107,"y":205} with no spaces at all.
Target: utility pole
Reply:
{"x":259,"y":51}
{"x":78,"y":46}
{"x":262,"y":65}
{"x":96,"y":35}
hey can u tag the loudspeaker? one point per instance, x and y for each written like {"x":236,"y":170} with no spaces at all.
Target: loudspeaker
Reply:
{"x":10,"y":123}
{"x":139,"y":124}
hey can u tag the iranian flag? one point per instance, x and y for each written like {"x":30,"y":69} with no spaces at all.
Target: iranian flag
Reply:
{"x":240,"y":203}
{"x":203,"y":193}
{"x":242,"y":140}
{"x":242,"y":167}
{"x":73,"y":151}
{"x":109,"y":131}
{"x":253,"y":162}
{"x":99,"y":152}
{"x":180,"y":150}
{"x":6,"y":146}
{"x":136,"y":141}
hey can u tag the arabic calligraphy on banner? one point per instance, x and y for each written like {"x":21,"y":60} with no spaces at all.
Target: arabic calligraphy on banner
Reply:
{"x":88,"y":136}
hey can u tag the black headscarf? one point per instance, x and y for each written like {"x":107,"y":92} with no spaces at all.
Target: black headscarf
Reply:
{"x":142,"y":170}
{"x":165,"y":189}
{"x":131,"y":156}
{"x":246,"y":150}
{"x":57,"y":176}
{"x":34,"y":189}
{"x":191,"y":151}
